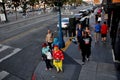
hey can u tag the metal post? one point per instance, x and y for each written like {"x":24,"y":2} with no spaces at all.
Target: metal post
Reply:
{"x":61,"y":41}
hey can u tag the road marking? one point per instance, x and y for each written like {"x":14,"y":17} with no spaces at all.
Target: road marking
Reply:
{"x":67,"y":43}
{"x":3,"y":47}
{"x":13,"y":53}
{"x":114,"y":57}
{"x":3,"y":74}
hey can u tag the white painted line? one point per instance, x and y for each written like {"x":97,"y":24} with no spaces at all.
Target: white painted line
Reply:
{"x":114,"y":57}
{"x":4,"y":48}
{"x":13,"y":53}
{"x":3,"y":74}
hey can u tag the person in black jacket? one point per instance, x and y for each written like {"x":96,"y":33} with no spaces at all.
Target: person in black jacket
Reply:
{"x":85,"y":46}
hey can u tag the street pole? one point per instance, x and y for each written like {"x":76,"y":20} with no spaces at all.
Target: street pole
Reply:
{"x":61,"y":41}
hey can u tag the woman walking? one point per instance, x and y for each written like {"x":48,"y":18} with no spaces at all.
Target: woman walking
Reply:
{"x":85,"y":47}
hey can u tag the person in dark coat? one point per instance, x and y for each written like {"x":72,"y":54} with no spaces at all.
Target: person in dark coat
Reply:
{"x":85,"y":46}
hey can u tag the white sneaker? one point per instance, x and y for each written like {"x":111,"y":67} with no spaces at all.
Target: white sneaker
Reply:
{"x":87,"y":59}
{"x":83,"y":63}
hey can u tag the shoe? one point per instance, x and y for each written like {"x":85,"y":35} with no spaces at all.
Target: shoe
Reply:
{"x":62,"y":70}
{"x":87,"y":59}
{"x":50,"y":69}
{"x":46,"y":69}
{"x":83,"y":63}
{"x":58,"y":71}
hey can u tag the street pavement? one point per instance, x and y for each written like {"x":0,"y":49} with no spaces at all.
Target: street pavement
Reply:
{"x":100,"y":67}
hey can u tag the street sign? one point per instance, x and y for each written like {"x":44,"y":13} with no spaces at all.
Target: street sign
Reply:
{"x":2,"y":17}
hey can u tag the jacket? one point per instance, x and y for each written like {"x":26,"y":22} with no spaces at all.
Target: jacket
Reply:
{"x":58,"y":55}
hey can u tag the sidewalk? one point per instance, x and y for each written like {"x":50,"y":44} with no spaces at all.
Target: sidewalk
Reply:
{"x":100,"y":67}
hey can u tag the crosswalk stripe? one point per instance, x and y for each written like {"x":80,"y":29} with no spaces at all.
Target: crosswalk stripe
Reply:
{"x":3,"y":74}
{"x":4,"y":48}
{"x":16,"y":50}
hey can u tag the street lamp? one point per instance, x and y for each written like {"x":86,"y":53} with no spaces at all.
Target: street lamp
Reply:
{"x":60,"y":33}
{"x":4,"y":11}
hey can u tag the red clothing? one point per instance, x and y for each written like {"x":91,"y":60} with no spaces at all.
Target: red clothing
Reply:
{"x":104,"y":29}
{"x":58,"y":55}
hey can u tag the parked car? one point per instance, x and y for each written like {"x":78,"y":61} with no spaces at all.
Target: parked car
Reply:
{"x":64,"y":23}
{"x":78,"y":16}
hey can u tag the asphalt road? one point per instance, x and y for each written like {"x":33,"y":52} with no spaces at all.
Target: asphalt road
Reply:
{"x":27,"y":36}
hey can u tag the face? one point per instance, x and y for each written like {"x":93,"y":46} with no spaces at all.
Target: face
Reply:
{"x":87,"y":28}
{"x":48,"y":31}
{"x":80,"y":26}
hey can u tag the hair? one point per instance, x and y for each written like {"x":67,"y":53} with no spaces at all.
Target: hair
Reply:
{"x":44,"y":45}
{"x":104,"y":22}
{"x":84,"y":32}
{"x":98,"y":21}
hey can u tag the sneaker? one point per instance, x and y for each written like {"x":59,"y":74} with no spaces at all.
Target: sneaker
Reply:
{"x":83,"y":63}
{"x":58,"y":71}
{"x":50,"y":69}
{"x":87,"y":59}
{"x":46,"y":69}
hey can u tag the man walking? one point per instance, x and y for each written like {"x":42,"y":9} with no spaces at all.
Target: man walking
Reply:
{"x":104,"y":30}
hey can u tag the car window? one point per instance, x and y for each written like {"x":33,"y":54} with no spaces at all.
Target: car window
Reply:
{"x":65,"y":20}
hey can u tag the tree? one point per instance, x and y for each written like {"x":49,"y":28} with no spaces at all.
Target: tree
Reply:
{"x":32,"y":3}
{"x":16,"y":4}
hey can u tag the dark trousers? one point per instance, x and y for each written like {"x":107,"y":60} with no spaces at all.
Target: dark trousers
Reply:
{"x":85,"y":53}
{"x":48,"y":63}
{"x":50,"y":45}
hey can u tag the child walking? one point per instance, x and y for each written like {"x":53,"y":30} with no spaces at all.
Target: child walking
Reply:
{"x":46,"y":56}
{"x":58,"y":58}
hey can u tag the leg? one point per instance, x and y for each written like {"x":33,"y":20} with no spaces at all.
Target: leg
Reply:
{"x":56,"y":65}
{"x":49,"y":64}
{"x":88,"y":53}
{"x":50,"y":45}
{"x":83,"y":56}
{"x":60,"y":65}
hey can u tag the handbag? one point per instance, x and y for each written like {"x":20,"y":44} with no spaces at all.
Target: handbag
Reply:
{"x":49,"y":56}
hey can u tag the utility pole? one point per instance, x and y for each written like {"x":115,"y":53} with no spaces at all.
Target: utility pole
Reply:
{"x":58,"y":3}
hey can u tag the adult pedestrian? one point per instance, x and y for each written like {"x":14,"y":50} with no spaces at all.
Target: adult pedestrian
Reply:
{"x":88,"y":31}
{"x":79,"y":32}
{"x":49,"y":38}
{"x":97,"y":29}
{"x":47,"y":56}
{"x":85,"y":47}
{"x":99,"y":18}
{"x":58,"y":58}
{"x":104,"y":30}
